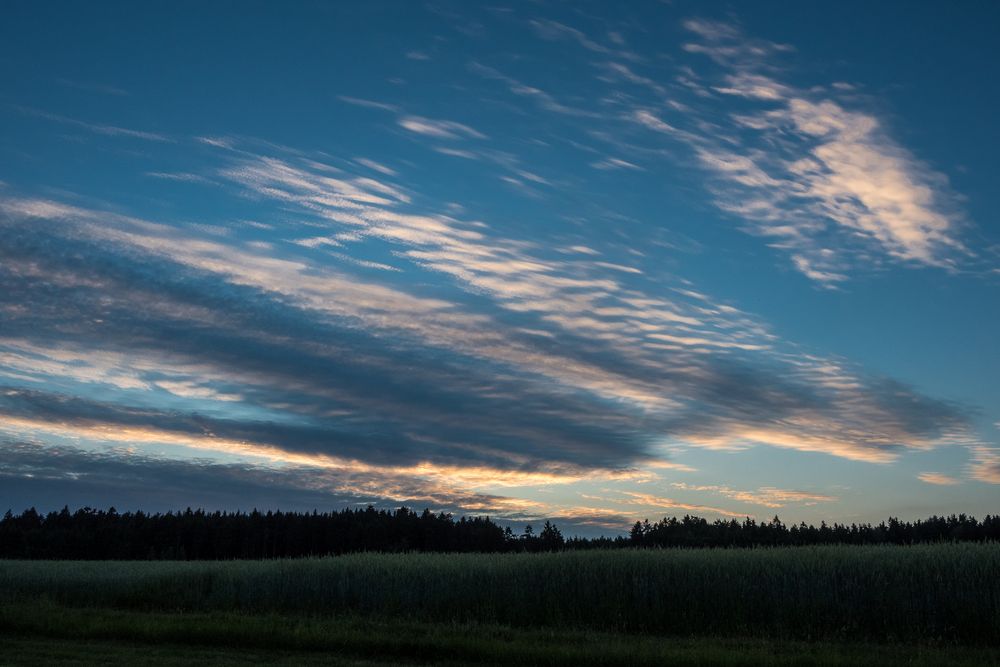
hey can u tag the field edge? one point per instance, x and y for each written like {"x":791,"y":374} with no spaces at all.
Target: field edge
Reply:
{"x":32,"y":633}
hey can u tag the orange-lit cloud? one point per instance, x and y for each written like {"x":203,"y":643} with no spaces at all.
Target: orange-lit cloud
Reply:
{"x":938,"y":479}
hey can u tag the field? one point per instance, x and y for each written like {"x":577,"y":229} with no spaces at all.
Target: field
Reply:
{"x":928,"y":604}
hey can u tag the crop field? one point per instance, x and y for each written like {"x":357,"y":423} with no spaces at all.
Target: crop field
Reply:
{"x":928,"y":603}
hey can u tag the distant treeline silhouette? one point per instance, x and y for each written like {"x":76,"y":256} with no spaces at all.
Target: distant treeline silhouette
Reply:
{"x":90,"y":534}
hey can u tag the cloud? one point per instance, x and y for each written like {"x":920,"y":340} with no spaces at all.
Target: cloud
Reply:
{"x":33,"y":474}
{"x":726,"y":44}
{"x":938,"y":479}
{"x":106,"y":130}
{"x":214,"y":338}
{"x":217,"y":142}
{"x":534,"y":359}
{"x":553,"y":30}
{"x":766,"y":496}
{"x":826,"y":183}
{"x":439,"y":129}
{"x":613,"y":163}
{"x":658,"y":503}
{"x":985,"y":465}
{"x":376,"y":166}
{"x":361,"y":323}
{"x":805,"y":267}
{"x":368,"y":104}
{"x":649,"y":120}
{"x":91,"y":87}
{"x":593,"y":520}
{"x":542,"y":98}
{"x":812,"y":171}
{"x":620,"y":71}
{"x":181,"y":177}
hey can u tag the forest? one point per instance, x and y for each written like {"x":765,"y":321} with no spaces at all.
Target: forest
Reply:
{"x":95,"y":534}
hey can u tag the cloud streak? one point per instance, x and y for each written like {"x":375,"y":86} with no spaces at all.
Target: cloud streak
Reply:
{"x":127,"y":479}
{"x":348,"y":323}
{"x":97,"y":128}
{"x":325,"y":362}
{"x":823,"y":182}
{"x":938,"y":479}
{"x":985,"y":465}
{"x":439,"y":129}
{"x":765,"y":496}
{"x":812,"y":171}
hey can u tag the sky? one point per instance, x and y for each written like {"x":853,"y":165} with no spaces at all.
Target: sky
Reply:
{"x":593,"y":262}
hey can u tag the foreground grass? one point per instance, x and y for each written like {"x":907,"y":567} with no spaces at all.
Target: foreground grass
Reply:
{"x":944,"y":592}
{"x":49,"y":634}
{"x":29,"y":652}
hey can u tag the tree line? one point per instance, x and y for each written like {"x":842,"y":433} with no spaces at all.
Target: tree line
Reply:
{"x":93,"y":534}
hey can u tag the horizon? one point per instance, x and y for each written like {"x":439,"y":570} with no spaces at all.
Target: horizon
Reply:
{"x":731,"y":532}
{"x":578,"y":263}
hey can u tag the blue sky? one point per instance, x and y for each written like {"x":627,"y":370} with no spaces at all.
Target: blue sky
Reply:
{"x":574,"y":261}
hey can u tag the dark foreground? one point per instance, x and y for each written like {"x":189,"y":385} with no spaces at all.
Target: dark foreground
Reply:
{"x":918,"y":605}
{"x":45,"y":634}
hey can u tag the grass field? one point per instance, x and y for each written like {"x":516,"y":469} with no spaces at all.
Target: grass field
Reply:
{"x":44,"y":634}
{"x":814,"y":605}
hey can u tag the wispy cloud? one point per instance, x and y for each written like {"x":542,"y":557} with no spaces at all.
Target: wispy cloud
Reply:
{"x":368,"y":104}
{"x":812,"y":171}
{"x":726,"y":44}
{"x":549,"y":29}
{"x":766,"y":496}
{"x":540,"y":97}
{"x":97,"y":128}
{"x":299,"y":347}
{"x":376,"y":166}
{"x":92,"y":87}
{"x":348,"y":322}
{"x":181,"y":177}
{"x":613,"y":163}
{"x":689,"y":369}
{"x":651,"y":121}
{"x":826,"y":183}
{"x":661,"y":504}
{"x":429,"y":127}
{"x":938,"y":479}
{"x":439,"y":129}
{"x":128,"y":479}
{"x":554,"y":30}
{"x":985,"y":465}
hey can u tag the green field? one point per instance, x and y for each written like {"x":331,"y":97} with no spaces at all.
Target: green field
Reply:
{"x":48,"y":634}
{"x":811,"y":605}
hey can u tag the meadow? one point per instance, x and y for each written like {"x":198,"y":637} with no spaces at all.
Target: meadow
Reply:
{"x":943,"y":597}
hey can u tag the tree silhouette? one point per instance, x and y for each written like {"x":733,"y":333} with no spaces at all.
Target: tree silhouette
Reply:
{"x":550,"y":537}
{"x":199,"y":535}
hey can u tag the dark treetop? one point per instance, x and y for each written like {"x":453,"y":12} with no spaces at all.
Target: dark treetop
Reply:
{"x":199,"y":535}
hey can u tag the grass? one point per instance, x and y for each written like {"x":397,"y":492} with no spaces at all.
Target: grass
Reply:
{"x":946,"y":592}
{"x":920,"y":605}
{"x":44,"y":633}
{"x":38,"y":651}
